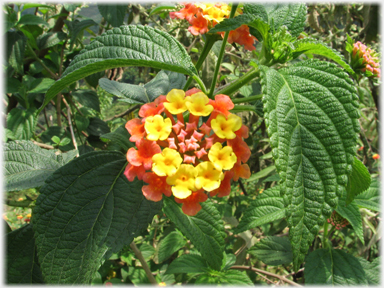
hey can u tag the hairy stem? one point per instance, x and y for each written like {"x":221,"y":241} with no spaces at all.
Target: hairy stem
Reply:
{"x":247,"y":99}
{"x":235,"y":85}
{"x":143,"y":263}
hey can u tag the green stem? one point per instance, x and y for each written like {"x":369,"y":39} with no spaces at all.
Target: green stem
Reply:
{"x":210,"y":40}
{"x":234,"y":86}
{"x":200,"y":82}
{"x":325,"y":235}
{"x":221,"y":54}
{"x":53,"y":75}
{"x":247,"y":99}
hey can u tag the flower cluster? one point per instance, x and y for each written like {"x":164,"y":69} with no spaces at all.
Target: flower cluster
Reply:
{"x":204,"y":16}
{"x":186,"y":158}
{"x":337,"y":221}
{"x":366,"y":60}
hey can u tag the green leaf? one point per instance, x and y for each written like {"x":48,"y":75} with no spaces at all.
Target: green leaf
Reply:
{"x":311,"y":117}
{"x":352,"y":214}
{"x":86,"y":211}
{"x":12,"y":86}
{"x":273,"y":250}
{"x":372,"y":270}
{"x":229,"y":277}
{"x":136,"y":275}
{"x":29,"y":19}
{"x":26,"y":165}
{"x":169,"y":245}
{"x":81,"y":122}
{"x":97,"y":127}
{"x":229,"y":24}
{"x":147,"y":251}
{"x":205,"y":230}
{"x":267,"y":207}
{"x":114,"y":14}
{"x":261,"y":174}
{"x":292,"y":15}
{"x":119,"y":137}
{"x":87,"y":98}
{"x":22,"y":265}
{"x":358,"y":181}
{"x":126,"y":46}
{"x":93,"y":79}
{"x":50,"y":39}
{"x":335,"y":267}
{"x":188,"y":263}
{"x":34,"y":5}
{"x":22,"y":123}
{"x":76,"y":28}
{"x":41,"y":85}
{"x":229,"y":261}
{"x":130,"y":93}
{"x":370,"y":199}
{"x":16,"y":44}
{"x":313,"y":46}
{"x":162,"y":7}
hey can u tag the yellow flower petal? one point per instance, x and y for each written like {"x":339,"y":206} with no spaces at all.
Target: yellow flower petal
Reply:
{"x":197,"y":104}
{"x":167,"y":162}
{"x":157,"y":127}
{"x":208,"y":177}
{"x":176,"y":100}
{"x":226,"y":128}
{"x":183,"y":181}
{"x":222,"y":158}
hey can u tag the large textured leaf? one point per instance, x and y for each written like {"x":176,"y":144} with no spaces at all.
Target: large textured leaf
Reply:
{"x":126,"y":46}
{"x":370,"y":199}
{"x":114,"y":14}
{"x":358,"y":181}
{"x":188,"y":263}
{"x":266,"y":208}
{"x":86,"y":210}
{"x":313,"y":46}
{"x":372,"y":270}
{"x":273,"y":250}
{"x":333,"y":267}
{"x":22,"y":265}
{"x":205,"y":230}
{"x":292,"y":15}
{"x":26,"y":165}
{"x":352,"y":214}
{"x":310,"y":110}
{"x":22,"y":123}
{"x":169,"y":245}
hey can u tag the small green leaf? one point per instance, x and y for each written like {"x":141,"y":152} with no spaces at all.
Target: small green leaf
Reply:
{"x":87,"y":98}
{"x":162,"y":8}
{"x":313,"y":46}
{"x":114,"y":14}
{"x":94,"y":78}
{"x":29,"y":19}
{"x":130,"y":93}
{"x":261,"y":174}
{"x":50,"y":39}
{"x":86,"y":211}
{"x":188,"y":263}
{"x":65,"y":141}
{"x":147,"y":251}
{"x":169,"y":245}
{"x":119,"y":137}
{"x":126,"y":46}
{"x":358,"y":181}
{"x":351,"y":212}
{"x":228,"y":277}
{"x":81,"y":122}
{"x":333,"y":267}
{"x":22,"y":264}
{"x":229,"y":24}
{"x":41,"y":85}
{"x":267,"y":207}
{"x":26,"y":165}
{"x":97,"y":127}
{"x":76,"y":28}
{"x":273,"y":250}
{"x":12,"y":86}
{"x":55,"y":139}
{"x":22,"y":123}
{"x":205,"y":230}
{"x":229,"y":261}
{"x":16,"y":44}
{"x":370,"y":199}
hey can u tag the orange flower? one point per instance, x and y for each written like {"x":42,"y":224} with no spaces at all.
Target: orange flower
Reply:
{"x":240,"y":148}
{"x":143,"y":156}
{"x":222,"y":104}
{"x":242,"y":36}
{"x":199,"y":25}
{"x":225,"y":186}
{"x":136,"y":128}
{"x":241,"y":170}
{"x":191,"y":204}
{"x":156,"y":188}
{"x":186,"y":13}
{"x":151,"y":109}
{"x":376,"y":156}
{"x":132,"y":171}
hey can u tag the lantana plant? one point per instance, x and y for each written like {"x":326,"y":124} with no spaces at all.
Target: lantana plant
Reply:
{"x":198,"y":155}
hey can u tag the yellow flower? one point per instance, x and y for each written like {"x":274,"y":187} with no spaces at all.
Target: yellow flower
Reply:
{"x":222,"y":158}
{"x":197,"y":104}
{"x":208,"y":177}
{"x":226,"y":128}
{"x":176,"y":100}
{"x":167,"y":162}
{"x":162,"y":284}
{"x":183,"y":181}
{"x":157,"y":127}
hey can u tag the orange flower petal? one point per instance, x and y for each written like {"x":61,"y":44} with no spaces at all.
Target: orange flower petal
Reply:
{"x":143,"y":156}
{"x":240,"y":148}
{"x":242,"y":171}
{"x":225,"y":186}
{"x":156,"y":188}
{"x":132,"y":171}
{"x":136,"y":128}
{"x":191,"y":204}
